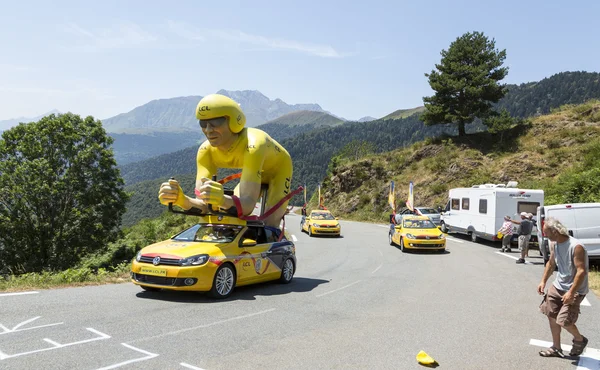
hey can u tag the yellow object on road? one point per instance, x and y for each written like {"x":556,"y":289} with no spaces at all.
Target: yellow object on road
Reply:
{"x":424,"y":359}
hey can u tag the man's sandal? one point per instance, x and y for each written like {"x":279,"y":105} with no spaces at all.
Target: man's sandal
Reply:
{"x":552,"y":352}
{"x":578,"y":347}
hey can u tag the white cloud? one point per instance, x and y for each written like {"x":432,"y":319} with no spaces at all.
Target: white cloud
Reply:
{"x":192,"y":33}
{"x":185,"y":31}
{"x":125,"y":35}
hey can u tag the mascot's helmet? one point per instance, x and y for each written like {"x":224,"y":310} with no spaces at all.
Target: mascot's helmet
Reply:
{"x":216,"y":106}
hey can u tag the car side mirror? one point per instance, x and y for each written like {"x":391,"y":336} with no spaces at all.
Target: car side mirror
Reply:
{"x":337,"y":218}
{"x":248,"y":242}
{"x":439,"y":227}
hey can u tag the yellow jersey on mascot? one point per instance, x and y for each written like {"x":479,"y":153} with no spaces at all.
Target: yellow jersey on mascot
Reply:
{"x":230,"y":144}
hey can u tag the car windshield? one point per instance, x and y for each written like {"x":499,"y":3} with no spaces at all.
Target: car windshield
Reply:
{"x":427,"y":211}
{"x":211,"y":233}
{"x":322,"y":216}
{"x":418,"y":224}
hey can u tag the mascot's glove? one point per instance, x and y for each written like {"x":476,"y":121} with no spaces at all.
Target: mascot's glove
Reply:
{"x":170,"y":192}
{"x":210,"y":192}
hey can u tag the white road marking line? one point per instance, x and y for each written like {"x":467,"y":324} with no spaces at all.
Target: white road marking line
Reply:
{"x":204,"y":326}
{"x":55,"y":344}
{"x":589,"y":359}
{"x":380,"y":252}
{"x":585,"y":302}
{"x":190,"y":366}
{"x":338,"y":289}
{"x":34,"y":327}
{"x":148,"y":356}
{"x":19,"y":293}
{"x":513,"y":257}
{"x":6,"y":330}
{"x":294,"y":238}
{"x":101,"y":336}
{"x":25,"y":322}
{"x":455,"y":240}
{"x":387,"y":227}
{"x":374,"y":271}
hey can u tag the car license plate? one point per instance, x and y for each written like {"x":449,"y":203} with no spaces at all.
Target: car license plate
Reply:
{"x":153,"y":271}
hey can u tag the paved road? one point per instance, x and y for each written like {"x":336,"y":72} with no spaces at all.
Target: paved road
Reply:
{"x":355,"y":303}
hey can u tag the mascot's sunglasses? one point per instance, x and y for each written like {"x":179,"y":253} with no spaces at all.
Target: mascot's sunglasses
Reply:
{"x":214,"y":123}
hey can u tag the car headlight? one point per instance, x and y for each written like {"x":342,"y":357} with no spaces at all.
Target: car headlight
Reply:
{"x":315,"y":225}
{"x":441,"y":236}
{"x":410,"y":236}
{"x":138,"y":257}
{"x":198,"y":260}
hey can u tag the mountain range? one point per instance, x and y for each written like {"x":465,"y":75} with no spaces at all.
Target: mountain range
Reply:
{"x":178,"y":113}
{"x":9,"y":123}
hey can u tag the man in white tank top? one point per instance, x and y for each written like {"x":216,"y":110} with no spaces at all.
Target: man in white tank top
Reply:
{"x":562,"y":301}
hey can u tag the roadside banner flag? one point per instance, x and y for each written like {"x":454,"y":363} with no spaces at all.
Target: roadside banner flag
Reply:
{"x":392,"y":197}
{"x":410,"y":202}
{"x":304,"y":193}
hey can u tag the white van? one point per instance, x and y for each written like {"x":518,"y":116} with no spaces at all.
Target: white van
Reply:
{"x":582,"y":221}
{"x":479,"y":211}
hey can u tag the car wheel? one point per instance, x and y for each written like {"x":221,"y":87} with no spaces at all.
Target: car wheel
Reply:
{"x":444,"y":228}
{"x":150,"y":289}
{"x":223,"y":282}
{"x":390,"y":239}
{"x":287,"y":271}
{"x":402,"y":245}
{"x":474,"y":237}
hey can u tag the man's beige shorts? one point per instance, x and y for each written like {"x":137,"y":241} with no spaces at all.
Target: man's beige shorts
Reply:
{"x":524,"y":242}
{"x":553,"y":306}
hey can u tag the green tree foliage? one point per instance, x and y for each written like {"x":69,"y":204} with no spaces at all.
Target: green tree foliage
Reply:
{"x":356,"y":149}
{"x":465,"y":82}
{"x":62,"y":195}
{"x":499,"y":123}
{"x":535,"y":98}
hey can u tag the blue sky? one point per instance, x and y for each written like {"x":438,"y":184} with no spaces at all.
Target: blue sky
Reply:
{"x":363,"y":59}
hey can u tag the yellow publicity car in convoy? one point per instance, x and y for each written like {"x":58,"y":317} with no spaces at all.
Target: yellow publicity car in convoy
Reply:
{"x":215,"y":255}
{"x":320,"y":222}
{"x":417,"y":232}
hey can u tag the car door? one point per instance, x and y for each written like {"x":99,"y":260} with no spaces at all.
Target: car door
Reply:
{"x":306,"y":224}
{"x":397,"y":232}
{"x":256,"y":262}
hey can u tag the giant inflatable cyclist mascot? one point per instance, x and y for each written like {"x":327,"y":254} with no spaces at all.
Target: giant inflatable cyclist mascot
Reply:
{"x":230,"y":144}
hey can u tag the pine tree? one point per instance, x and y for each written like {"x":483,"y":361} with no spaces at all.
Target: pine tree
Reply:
{"x":465,"y":82}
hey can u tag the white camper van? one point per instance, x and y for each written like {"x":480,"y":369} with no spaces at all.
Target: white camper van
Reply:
{"x":582,"y":221}
{"x":479,"y":211}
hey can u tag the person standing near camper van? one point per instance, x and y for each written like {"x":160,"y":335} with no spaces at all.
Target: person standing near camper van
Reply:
{"x":561,"y":302}
{"x":507,"y":231}
{"x":525,"y":227}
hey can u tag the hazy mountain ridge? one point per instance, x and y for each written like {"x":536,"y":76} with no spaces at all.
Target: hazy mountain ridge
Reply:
{"x":9,"y":123}
{"x":178,"y":113}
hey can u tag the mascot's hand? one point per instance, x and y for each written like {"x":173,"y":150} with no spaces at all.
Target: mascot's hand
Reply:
{"x":210,"y":192}
{"x":170,"y":192}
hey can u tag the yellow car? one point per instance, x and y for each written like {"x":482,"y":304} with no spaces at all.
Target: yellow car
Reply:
{"x":321,"y":222}
{"x":417,"y":232}
{"x":215,"y":255}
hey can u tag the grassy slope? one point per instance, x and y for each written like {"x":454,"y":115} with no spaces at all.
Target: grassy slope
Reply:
{"x":403,"y":113}
{"x":534,"y":154}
